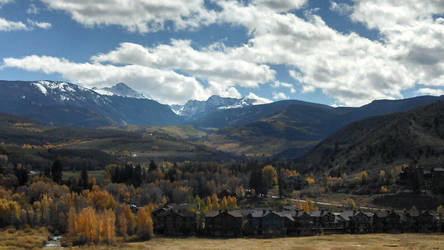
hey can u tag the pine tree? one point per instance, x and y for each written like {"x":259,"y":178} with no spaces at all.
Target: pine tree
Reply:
{"x":56,"y":171}
{"x":84,"y":182}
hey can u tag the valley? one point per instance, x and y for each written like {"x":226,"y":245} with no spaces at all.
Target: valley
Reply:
{"x":130,"y":153}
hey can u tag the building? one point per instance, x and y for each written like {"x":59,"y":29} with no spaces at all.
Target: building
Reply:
{"x":387,"y":222}
{"x":223,"y":223}
{"x":269,"y":223}
{"x":358,"y":221}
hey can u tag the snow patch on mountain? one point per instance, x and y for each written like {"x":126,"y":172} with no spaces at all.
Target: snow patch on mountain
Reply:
{"x":102,"y":92}
{"x":41,"y":88}
{"x":194,"y":109}
{"x":121,"y":89}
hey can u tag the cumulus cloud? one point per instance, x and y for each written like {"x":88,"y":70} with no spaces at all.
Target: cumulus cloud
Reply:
{"x":280,"y":5}
{"x":280,"y":96}
{"x":221,"y":71}
{"x":3,"y":2}
{"x":32,"y":9}
{"x":217,"y":66}
{"x":341,"y":8}
{"x":167,"y":86}
{"x":414,"y":32}
{"x":136,"y":15}
{"x":259,"y":100}
{"x":352,"y":69}
{"x":41,"y":25}
{"x":6,"y":25}
{"x":279,"y":84}
{"x":430,"y":91}
{"x":347,"y":67}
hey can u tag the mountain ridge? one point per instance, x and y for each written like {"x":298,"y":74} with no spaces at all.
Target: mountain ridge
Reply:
{"x":414,"y":136}
{"x":193,"y":109}
{"x":66,"y":104}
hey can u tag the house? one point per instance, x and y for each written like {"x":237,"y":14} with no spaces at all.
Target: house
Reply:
{"x":269,"y":223}
{"x":387,"y":222}
{"x":159,"y":219}
{"x":427,"y":222}
{"x":303,"y":223}
{"x":223,"y":223}
{"x":341,"y":222}
{"x":323,"y":221}
{"x":179,"y":223}
{"x":437,"y":177}
{"x":358,"y":221}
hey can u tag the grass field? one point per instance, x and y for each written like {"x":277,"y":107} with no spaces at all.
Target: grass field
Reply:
{"x":342,"y":241}
{"x":23,"y":239}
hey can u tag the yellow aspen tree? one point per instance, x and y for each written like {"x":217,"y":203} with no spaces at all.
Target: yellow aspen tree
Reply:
{"x":215,"y":201}
{"x":72,"y":222}
{"x":307,"y":207}
{"x":224,"y":203}
{"x":299,"y":205}
{"x":209,"y":204}
{"x":144,"y":223}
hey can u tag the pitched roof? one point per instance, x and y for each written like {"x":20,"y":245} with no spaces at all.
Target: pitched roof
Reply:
{"x":233,"y":213}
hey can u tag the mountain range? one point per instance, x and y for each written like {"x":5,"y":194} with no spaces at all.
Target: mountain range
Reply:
{"x":120,"y":89}
{"x":194,"y":110}
{"x":66,"y":104}
{"x":415,"y":136}
{"x":288,"y":129}
{"x":283,"y":129}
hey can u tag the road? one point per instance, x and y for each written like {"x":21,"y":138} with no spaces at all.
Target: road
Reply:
{"x":329,"y":204}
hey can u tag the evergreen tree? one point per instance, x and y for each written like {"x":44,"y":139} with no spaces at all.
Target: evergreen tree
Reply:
{"x":56,"y":171}
{"x":153,"y":166}
{"x":47,"y":172}
{"x":257,"y":182}
{"x":22,"y":174}
{"x":84,"y":182}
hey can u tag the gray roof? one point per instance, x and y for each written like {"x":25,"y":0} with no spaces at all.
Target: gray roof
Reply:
{"x":234,"y":213}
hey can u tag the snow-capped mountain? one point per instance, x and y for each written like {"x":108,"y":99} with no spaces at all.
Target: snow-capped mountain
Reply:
{"x":194,"y":109}
{"x":120,"y":89}
{"x":67,"y":104}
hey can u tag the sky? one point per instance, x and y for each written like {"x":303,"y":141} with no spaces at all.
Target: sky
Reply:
{"x":335,"y":52}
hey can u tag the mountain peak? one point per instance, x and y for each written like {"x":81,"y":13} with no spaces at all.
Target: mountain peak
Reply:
{"x":121,"y":89}
{"x":195,"y":109}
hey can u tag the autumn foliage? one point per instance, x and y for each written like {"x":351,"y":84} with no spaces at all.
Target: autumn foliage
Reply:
{"x":144,"y":223}
{"x":90,"y":226}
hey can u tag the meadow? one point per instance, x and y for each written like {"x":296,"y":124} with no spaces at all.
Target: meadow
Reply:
{"x":341,"y":241}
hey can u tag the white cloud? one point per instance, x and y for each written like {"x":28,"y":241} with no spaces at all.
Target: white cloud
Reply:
{"x":429,"y":91}
{"x":166,"y":86}
{"x":136,"y":15}
{"x":279,"y":84}
{"x":32,"y":9}
{"x":352,"y":69}
{"x":348,"y":67}
{"x":280,"y":5}
{"x":280,"y":96}
{"x":413,"y":32}
{"x":341,"y":8}
{"x":259,"y":100}
{"x":41,"y":25}
{"x":3,"y":2}
{"x":216,"y":66}
{"x":6,"y":25}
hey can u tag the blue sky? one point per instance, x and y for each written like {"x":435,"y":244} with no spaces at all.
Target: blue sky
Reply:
{"x":346,"y":52}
